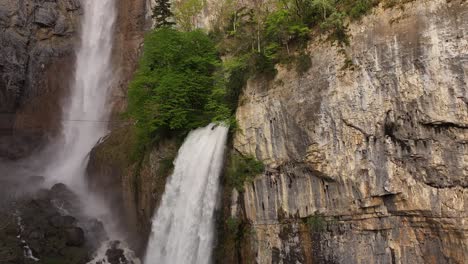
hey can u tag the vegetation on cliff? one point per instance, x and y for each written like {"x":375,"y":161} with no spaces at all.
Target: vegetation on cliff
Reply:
{"x":187,"y":78}
{"x":241,"y":169}
{"x":271,"y":32}
{"x":175,"y":87}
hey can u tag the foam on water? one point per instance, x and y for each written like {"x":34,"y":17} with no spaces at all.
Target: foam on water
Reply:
{"x":183,"y":226}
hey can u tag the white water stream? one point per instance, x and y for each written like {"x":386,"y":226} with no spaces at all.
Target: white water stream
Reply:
{"x":183,"y":226}
{"x":86,"y":112}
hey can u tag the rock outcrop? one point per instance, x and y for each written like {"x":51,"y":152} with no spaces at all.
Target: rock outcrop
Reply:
{"x":45,"y":226}
{"x":111,"y":173}
{"x":367,"y":163}
{"x":36,"y":61}
{"x":133,"y":187}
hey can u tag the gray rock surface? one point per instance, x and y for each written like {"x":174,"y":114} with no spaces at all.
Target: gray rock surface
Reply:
{"x":376,"y":152}
{"x":36,"y":61}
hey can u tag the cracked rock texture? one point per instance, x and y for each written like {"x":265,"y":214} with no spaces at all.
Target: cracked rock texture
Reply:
{"x":366,"y":163}
{"x":37,"y":39}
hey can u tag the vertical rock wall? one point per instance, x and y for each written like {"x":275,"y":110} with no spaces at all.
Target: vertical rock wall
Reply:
{"x":36,"y":61}
{"x":367,"y":163}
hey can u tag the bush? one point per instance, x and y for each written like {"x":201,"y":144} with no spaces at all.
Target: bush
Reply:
{"x":174,"y":89}
{"x":233,"y":224}
{"x":303,"y":63}
{"x":236,"y":73}
{"x":360,"y":8}
{"x":335,"y":24}
{"x":242,"y":169}
{"x":316,"y":223}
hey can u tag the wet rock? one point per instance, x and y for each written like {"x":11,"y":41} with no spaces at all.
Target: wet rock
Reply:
{"x":75,"y":237}
{"x":39,"y":232}
{"x":36,"y":59}
{"x":62,"y":221}
{"x":116,"y":255}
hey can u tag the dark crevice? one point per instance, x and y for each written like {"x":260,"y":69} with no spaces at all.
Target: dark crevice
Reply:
{"x":348,"y":124}
{"x":444,"y":125}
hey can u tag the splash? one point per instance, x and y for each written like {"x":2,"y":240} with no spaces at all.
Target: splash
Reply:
{"x":86,"y":112}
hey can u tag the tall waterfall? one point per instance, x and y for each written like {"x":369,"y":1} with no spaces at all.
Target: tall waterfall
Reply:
{"x":86,"y":112}
{"x":183,"y":226}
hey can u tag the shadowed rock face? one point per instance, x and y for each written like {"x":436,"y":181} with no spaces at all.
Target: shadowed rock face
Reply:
{"x":45,"y":226}
{"x":36,"y":62}
{"x":378,"y":150}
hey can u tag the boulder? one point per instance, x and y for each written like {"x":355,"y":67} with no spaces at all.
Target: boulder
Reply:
{"x":75,"y":237}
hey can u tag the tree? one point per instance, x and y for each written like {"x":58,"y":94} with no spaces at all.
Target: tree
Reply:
{"x":162,"y":14}
{"x":323,"y":5}
{"x":283,"y":27}
{"x":186,"y":13}
{"x":173,"y":84}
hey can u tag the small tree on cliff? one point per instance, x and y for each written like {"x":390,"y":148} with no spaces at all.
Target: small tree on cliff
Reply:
{"x":162,"y":14}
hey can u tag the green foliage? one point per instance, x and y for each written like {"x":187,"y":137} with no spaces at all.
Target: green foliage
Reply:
{"x":174,"y":89}
{"x":316,"y":223}
{"x":236,"y":72}
{"x":335,"y":24}
{"x":324,"y":6}
{"x":233,"y":224}
{"x":162,"y":14}
{"x":186,"y":12}
{"x":360,"y":8}
{"x":242,"y":169}
{"x":282,"y":27}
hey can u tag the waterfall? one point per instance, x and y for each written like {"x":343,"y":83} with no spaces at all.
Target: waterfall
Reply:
{"x":86,"y":112}
{"x":183,"y":226}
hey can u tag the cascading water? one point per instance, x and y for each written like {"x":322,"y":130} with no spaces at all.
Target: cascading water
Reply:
{"x":183,"y":226}
{"x":85,"y":114}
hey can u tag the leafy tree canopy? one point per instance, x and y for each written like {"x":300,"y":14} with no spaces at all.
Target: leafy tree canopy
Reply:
{"x":175,"y":87}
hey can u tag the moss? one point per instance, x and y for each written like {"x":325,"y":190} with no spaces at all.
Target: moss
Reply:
{"x":166,"y":164}
{"x":232,"y":224}
{"x":316,"y":223}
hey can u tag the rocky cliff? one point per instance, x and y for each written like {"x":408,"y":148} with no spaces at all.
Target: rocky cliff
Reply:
{"x":367,"y":161}
{"x":366,"y":152}
{"x":36,"y":61}
{"x":123,"y":182}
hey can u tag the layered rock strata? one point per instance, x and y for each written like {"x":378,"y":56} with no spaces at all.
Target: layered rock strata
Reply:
{"x":367,"y":161}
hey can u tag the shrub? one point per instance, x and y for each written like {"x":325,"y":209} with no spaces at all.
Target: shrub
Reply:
{"x":316,"y":223}
{"x":233,"y":224}
{"x":335,"y":24}
{"x":360,"y":8}
{"x":174,"y":85}
{"x":303,"y":63}
{"x":242,"y":169}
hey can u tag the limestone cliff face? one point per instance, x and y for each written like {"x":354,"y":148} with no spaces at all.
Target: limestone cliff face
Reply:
{"x":36,"y":59}
{"x":366,"y":163}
